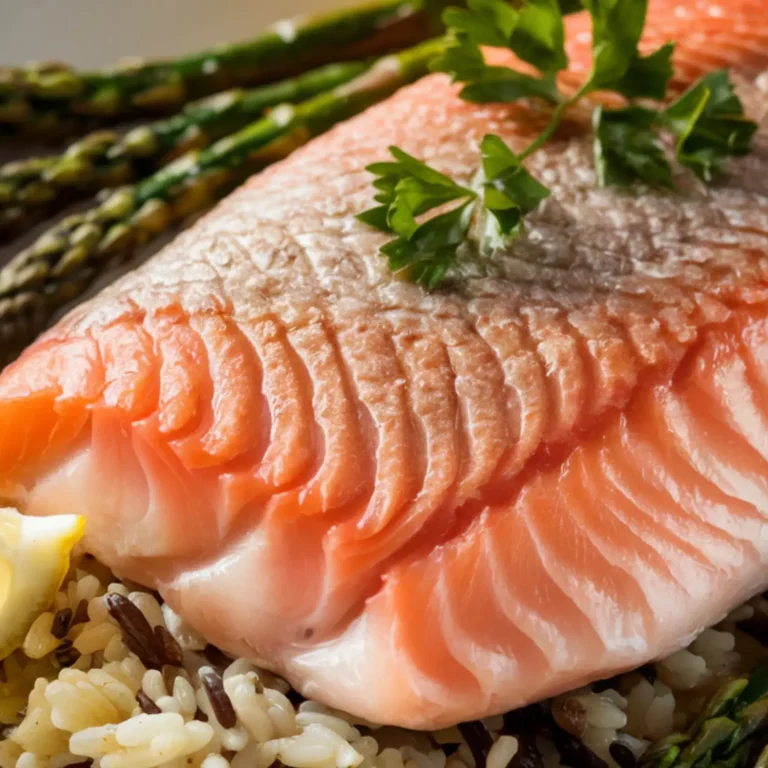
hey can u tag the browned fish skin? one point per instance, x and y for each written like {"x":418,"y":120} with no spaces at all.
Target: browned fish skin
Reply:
{"x":428,"y":507}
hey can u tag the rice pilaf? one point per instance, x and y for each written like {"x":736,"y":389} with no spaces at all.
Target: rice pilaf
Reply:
{"x":110,"y":677}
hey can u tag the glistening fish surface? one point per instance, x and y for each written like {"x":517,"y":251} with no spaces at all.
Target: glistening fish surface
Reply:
{"x":424,"y":508}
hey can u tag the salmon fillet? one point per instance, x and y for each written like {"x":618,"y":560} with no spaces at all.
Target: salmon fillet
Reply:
{"x":425,"y":508}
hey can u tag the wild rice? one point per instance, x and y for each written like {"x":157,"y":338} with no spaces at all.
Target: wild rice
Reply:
{"x":220,"y":702}
{"x":137,"y":631}
{"x":113,"y":679}
{"x":62,"y":621}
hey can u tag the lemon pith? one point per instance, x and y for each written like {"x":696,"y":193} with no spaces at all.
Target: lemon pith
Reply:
{"x":34,"y":559}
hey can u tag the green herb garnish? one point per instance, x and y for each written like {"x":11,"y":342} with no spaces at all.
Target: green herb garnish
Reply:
{"x":707,"y":122}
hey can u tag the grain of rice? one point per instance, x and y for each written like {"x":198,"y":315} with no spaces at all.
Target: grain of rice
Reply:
{"x":683,"y":670}
{"x":87,"y":588}
{"x":740,"y":614}
{"x":250,"y":706}
{"x":622,"y":755}
{"x":336,"y":724}
{"x":94,"y":741}
{"x":153,"y":684}
{"x":62,"y":621}
{"x":184,"y":693}
{"x":502,"y":752}
{"x":40,"y":641}
{"x":137,"y":632}
{"x":97,"y":610}
{"x":601,"y":712}
{"x":147,"y":705}
{"x":171,"y":651}
{"x":28,"y":760}
{"x":220,"y":703}
{"x":147,"y":604}
{"x":95,"y":637}
{"x":215,"y":761}
{"x":658,"y":718}
{"x":139,"y":730}
{"x":116,"y":649}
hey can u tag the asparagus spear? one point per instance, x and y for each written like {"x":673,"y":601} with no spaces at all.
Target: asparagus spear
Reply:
{"x":58,"y":266}
{"x":44,"y":97}
{"x":107,"y":159}
{"x":726,"y":734}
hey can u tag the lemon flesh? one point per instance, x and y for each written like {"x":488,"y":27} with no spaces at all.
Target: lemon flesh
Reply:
{"x":34,"y":559}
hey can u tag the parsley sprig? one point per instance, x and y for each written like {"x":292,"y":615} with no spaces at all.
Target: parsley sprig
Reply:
{"x":707,"y":123}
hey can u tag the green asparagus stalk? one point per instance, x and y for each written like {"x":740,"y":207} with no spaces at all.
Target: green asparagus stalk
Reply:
{"x":58,"y":266}
{"x":45,"y":97}
{"x":31,"y":187}
{"x":725,"y":735}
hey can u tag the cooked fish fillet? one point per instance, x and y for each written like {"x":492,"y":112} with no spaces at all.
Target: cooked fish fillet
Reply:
{"x":422,"y":507}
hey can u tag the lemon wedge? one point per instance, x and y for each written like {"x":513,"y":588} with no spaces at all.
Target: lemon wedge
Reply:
{"x":34,"y":559}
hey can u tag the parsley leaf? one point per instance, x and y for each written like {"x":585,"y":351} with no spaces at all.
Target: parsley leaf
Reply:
{"x":616,"y":64}
{"x":535,"y":34}
{"x":627,"y":148}
{"x":709,"y":123}
{"x":539,"y":37}
{"x":432,"y":248}
{"x":647,"y":77}
{"x":485,"y":22}
{"x":501,"y":84}
{"x":510,"y":192}
{"x":407,"y":189}
{"x":463,"y":61}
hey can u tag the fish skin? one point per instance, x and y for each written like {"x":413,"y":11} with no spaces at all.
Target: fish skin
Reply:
{"x":427,"y":508}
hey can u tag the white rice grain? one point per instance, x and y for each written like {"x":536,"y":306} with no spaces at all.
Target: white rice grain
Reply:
{"x":39,"y":641}
{"x":153,"y":684}
{"x":502,"y":752}
{"x":147,"y":604}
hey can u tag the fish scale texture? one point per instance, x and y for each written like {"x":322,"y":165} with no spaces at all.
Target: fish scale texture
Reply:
{"x":428,"y":507}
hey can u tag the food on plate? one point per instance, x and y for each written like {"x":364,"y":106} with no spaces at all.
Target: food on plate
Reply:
{"x":428,"y":507}
{"x":61,"y":263}
{"x":113,"y":702}
{"x":53,"y":98}
{"x":106,"y":158}
{"x":34,"y":559}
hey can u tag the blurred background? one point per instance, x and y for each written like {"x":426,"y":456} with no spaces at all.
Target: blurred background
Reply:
{"x":91,"y":33}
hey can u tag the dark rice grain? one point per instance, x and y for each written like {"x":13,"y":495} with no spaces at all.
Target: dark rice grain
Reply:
{"x":62,"y":621}
{"x":478,"y":740}
{"x":65,"y":654}
{"x":81,"y":613}
{"x":524,"y":724}
{"x":220,"y":702}
{"x":623,"y":755}
{"x":147,"y":705}
{"x":172,"y":653}
{"x":216,"y":658}
{"x":137,"y":631}
{"x":200,"y":715}
{"x":574,"y":752}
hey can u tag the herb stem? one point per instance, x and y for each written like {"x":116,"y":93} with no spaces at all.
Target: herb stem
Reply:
{"x":554,"y":123}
